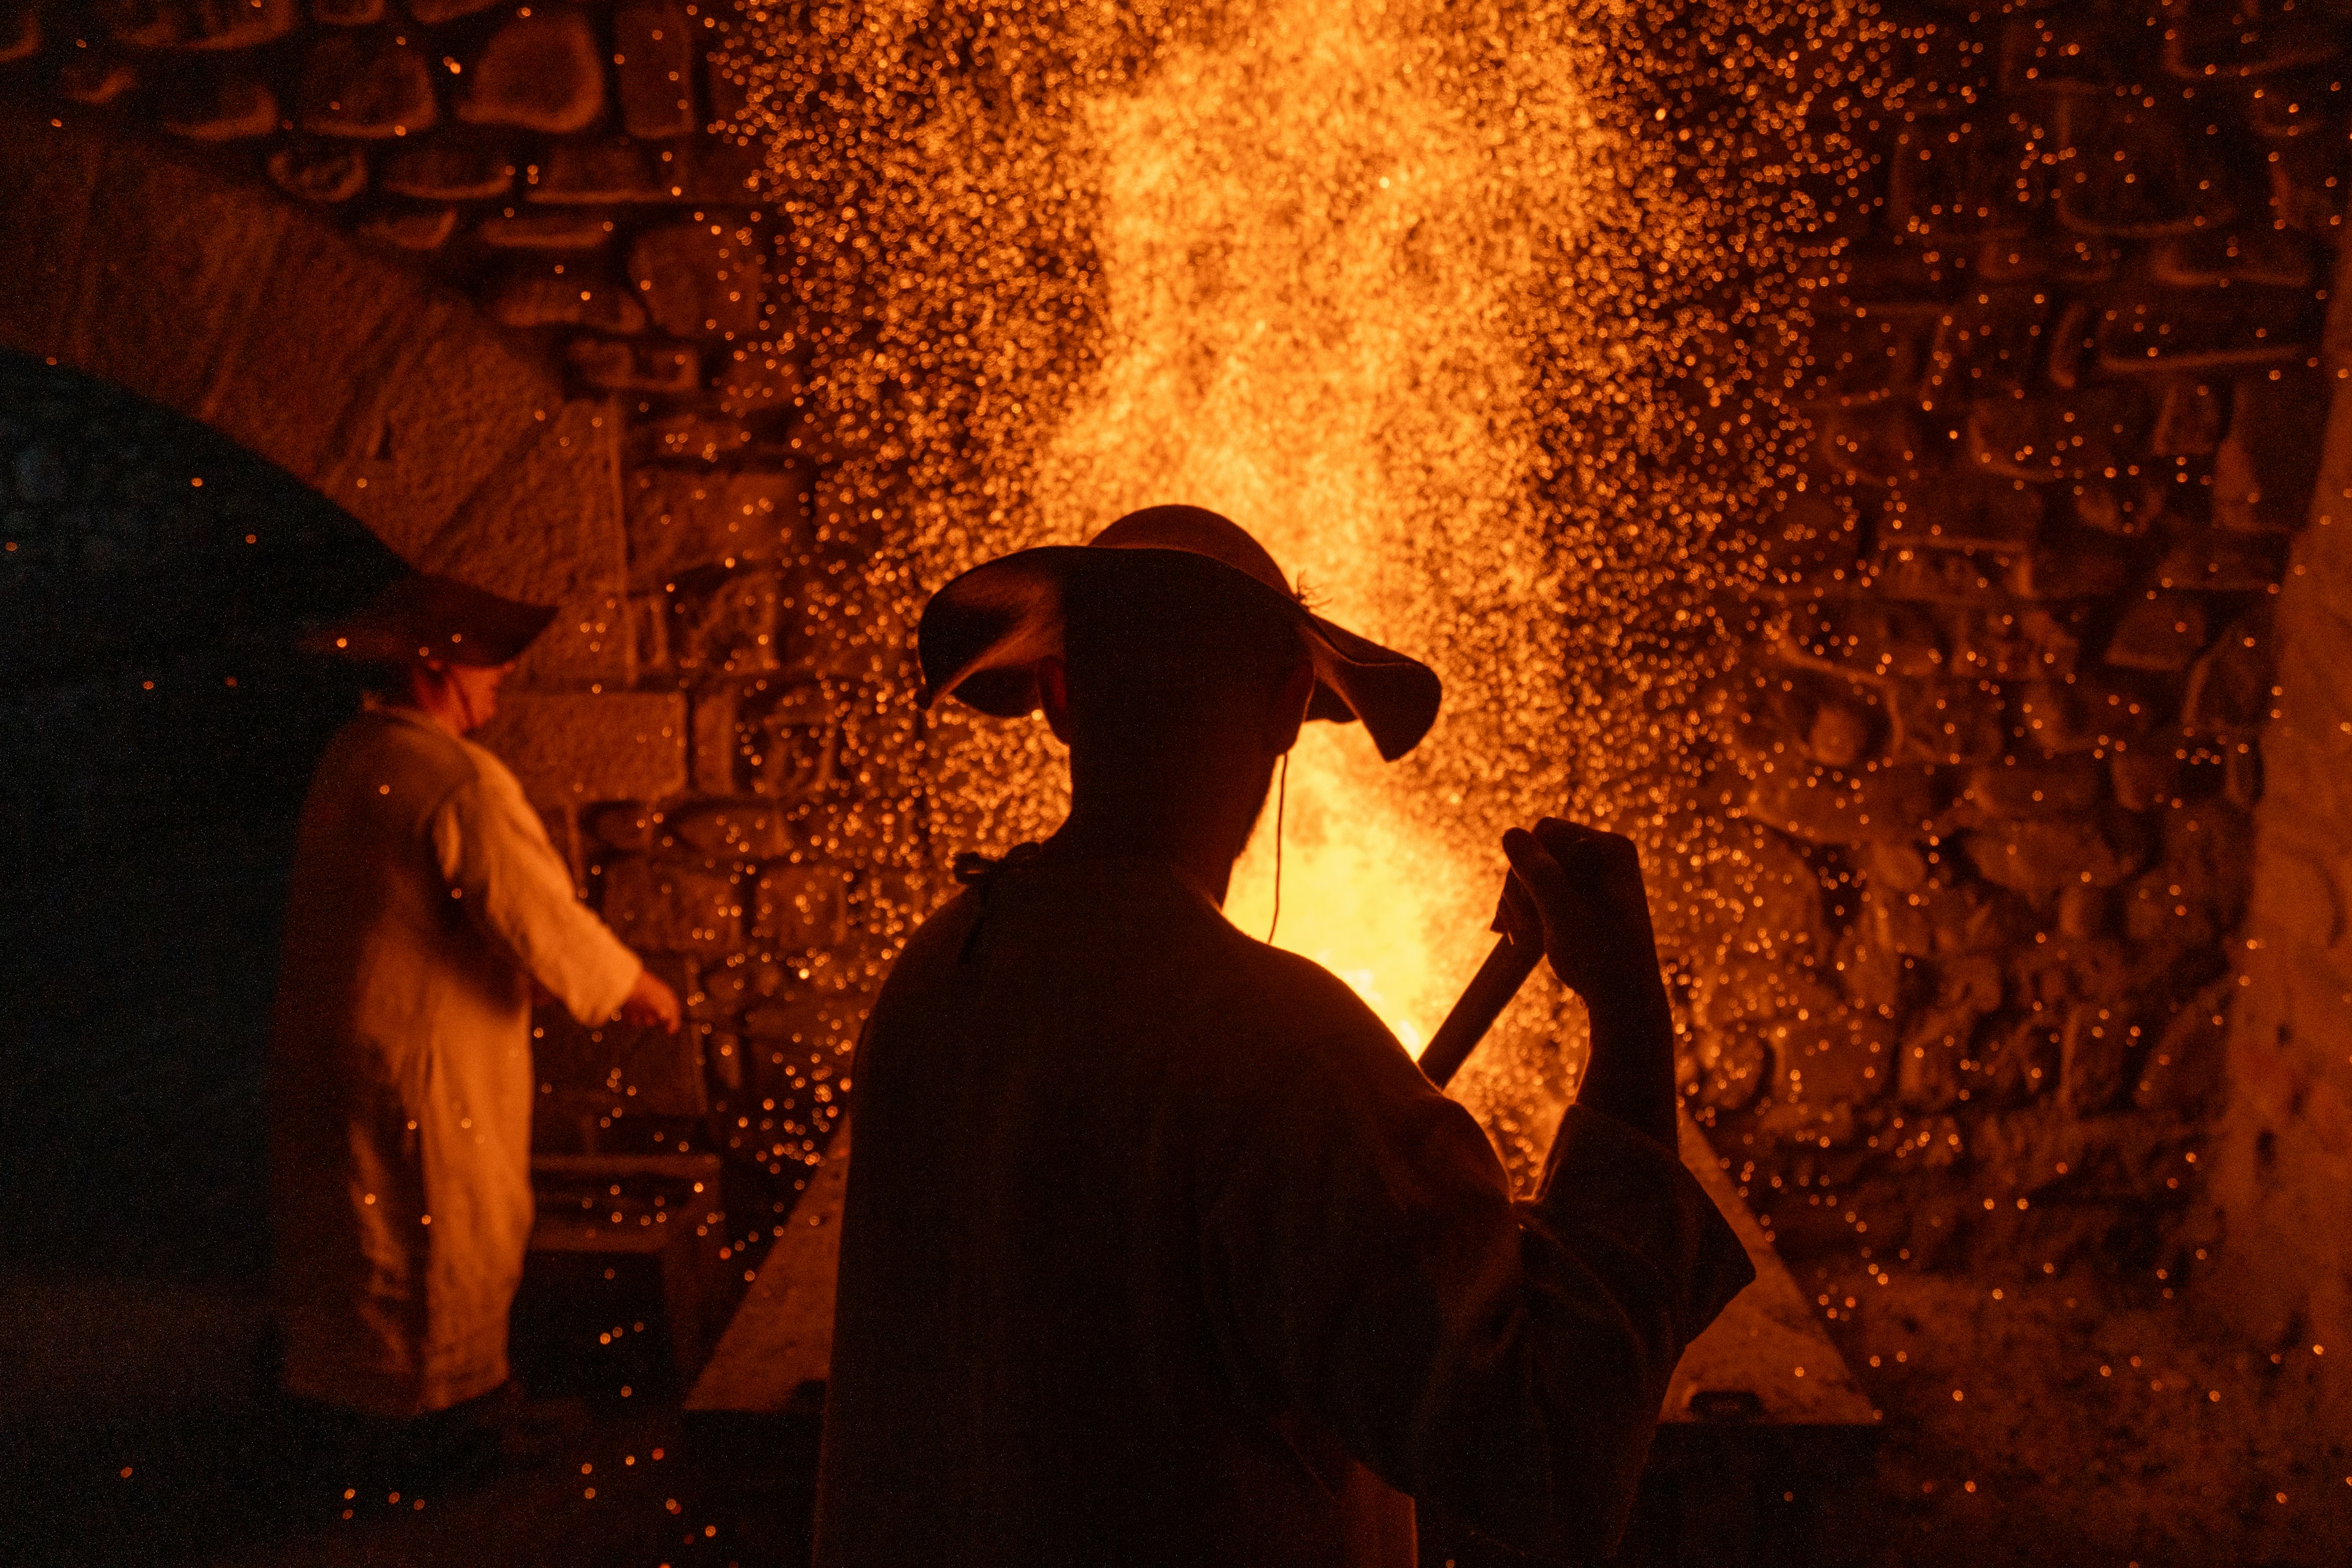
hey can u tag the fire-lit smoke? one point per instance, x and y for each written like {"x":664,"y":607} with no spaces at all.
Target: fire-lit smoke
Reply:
{"x":1431,"y":298}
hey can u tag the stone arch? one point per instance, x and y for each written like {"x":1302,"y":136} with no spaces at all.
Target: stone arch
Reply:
{"x":451,"y":438}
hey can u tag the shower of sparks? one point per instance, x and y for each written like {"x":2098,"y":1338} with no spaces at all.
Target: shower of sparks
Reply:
{"x":1477,"y":316}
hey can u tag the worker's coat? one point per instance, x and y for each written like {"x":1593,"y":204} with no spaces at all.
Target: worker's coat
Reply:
{"x":1159,"y":1249}
{"x":426,"y":900}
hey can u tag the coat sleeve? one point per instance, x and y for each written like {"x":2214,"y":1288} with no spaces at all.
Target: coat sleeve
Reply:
{"x":1365,"y":1264}
{"x":495,"y":854}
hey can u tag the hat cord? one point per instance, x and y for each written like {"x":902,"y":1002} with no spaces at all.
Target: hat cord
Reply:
{"x":1281,"y":799}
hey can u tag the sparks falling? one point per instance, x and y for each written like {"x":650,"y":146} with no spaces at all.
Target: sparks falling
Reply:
{"x":1418,"y":293}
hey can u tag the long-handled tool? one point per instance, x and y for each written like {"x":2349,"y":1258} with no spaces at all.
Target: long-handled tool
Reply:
{"x":1506,"y":968}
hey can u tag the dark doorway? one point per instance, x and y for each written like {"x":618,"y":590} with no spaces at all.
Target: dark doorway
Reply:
{"x":157,"y":729}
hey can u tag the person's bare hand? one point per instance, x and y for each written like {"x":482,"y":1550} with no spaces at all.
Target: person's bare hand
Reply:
{"x":1582,"y":889}
{"x":651,"y":1002}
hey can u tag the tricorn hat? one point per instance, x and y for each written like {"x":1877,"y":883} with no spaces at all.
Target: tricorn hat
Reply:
{"x":425,"y":617}
{"x":984,"y":634}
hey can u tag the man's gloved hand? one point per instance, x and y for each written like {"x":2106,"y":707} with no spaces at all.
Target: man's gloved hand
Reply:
{"x":1582,"y":888}
{"x":650,"y":1002}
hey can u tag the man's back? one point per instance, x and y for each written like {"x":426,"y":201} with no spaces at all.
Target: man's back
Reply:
{"x":1152,"y":1228}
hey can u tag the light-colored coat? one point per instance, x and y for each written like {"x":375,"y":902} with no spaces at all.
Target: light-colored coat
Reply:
{"x":1158,"y":1249}
{"x":426,"y":900}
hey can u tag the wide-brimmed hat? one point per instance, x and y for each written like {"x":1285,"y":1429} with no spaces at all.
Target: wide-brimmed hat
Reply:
{"x":424,"y":616}
{"x":984,"y":634}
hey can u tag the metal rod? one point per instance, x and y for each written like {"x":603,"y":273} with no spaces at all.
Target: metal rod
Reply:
{"x":1481,"y":1003}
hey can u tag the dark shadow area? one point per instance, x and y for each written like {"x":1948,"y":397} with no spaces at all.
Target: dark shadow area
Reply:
{"x":157,"y":729}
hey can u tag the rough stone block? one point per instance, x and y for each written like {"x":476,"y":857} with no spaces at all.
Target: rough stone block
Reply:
{"x":314,"y":173}
{"x":202,"y":25}
{"x":2262,"y":257}
{"x":20,"y":33}
{"x":541,"y":72}
{"x":433,"y":13}
{"x":790,"y":741}
{"x":2309,"y":180}
{"x":596,"y":174}
{"x":1876,"y":444}
{"x":1966,"y":511}
{"x":571,"y":232}
{"x":229,"y":107}
{"x":729,"y":627}
{"x":448,"y":169}
{"x":631,"y":827}
{"x":2220,"y":562}
{"x":1965,"y":918}
{"x":2188,"y":419}
{"x":2093,"y":1047}
{"x":1944,"y":721}
{"x":2084,"y":567}
{"x":2249,"y":45}
{"x":347,"y":13}
{"x":2041,"y":857}
{"x":2124,"y":508}
{"x":541,"y":298}
{"x":2137,"y":173}
{"x":1840,"y":734}
{"x":653,"y":55}
{"x":763,"y":384}
{"x":1895,"y":924}
{"x":409,"y":228}
{"x":1933,"y":1063}
{"x":717,"y":746}
{"x":2027,"y":786}
{"x":2188,"y":331}
{"x":2094,"y":433}
{"x":1862,"y":356}
{"x":1938,"y":576}
{"x":749,"y":831}
{"x":620,"y":365}
{"x":1836,"y":1056}
{"x":2183,"y":1073}
{"x":1824,"y":807}
{"x":1953,"y":176}
{"x":2264,"y":469}
{"x":94,"y":80}
{"x":691,"y":437}
{"x":366,"y":88}
{"x":588,"y":642}
{"x":575,"y":748}
{"x":2228,"y":691}
{"x":1990,"y":343}
{"x":2034,"y":643}
{"x":1859,"y":639}
{"x":809,"y":1024}
{"x":2162,"y":631}
{"x":680,"y":519}
{"x":542,"y":526}
{"x":2087,"y":714}
{"x":716,"y":170}
{"x":698,"y":280}
{"x":2147,"y":778}
{"x":660,"y":906}
{"x":799,"y":908}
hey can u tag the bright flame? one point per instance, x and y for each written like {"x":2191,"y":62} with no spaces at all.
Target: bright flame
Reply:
{"x":1311,"y":260}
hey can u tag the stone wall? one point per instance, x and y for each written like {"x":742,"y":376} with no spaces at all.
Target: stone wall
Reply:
{"x":2000,"y":741}
{"x":1995,"y":756}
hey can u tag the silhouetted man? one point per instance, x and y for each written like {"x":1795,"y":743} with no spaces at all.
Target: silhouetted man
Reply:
{"x":425,"y":901}
{"x":1159,"y":1248}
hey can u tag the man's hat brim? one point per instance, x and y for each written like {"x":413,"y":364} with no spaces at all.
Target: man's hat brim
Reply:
{"x":984,"y":634}
{"x":422,"y":616}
